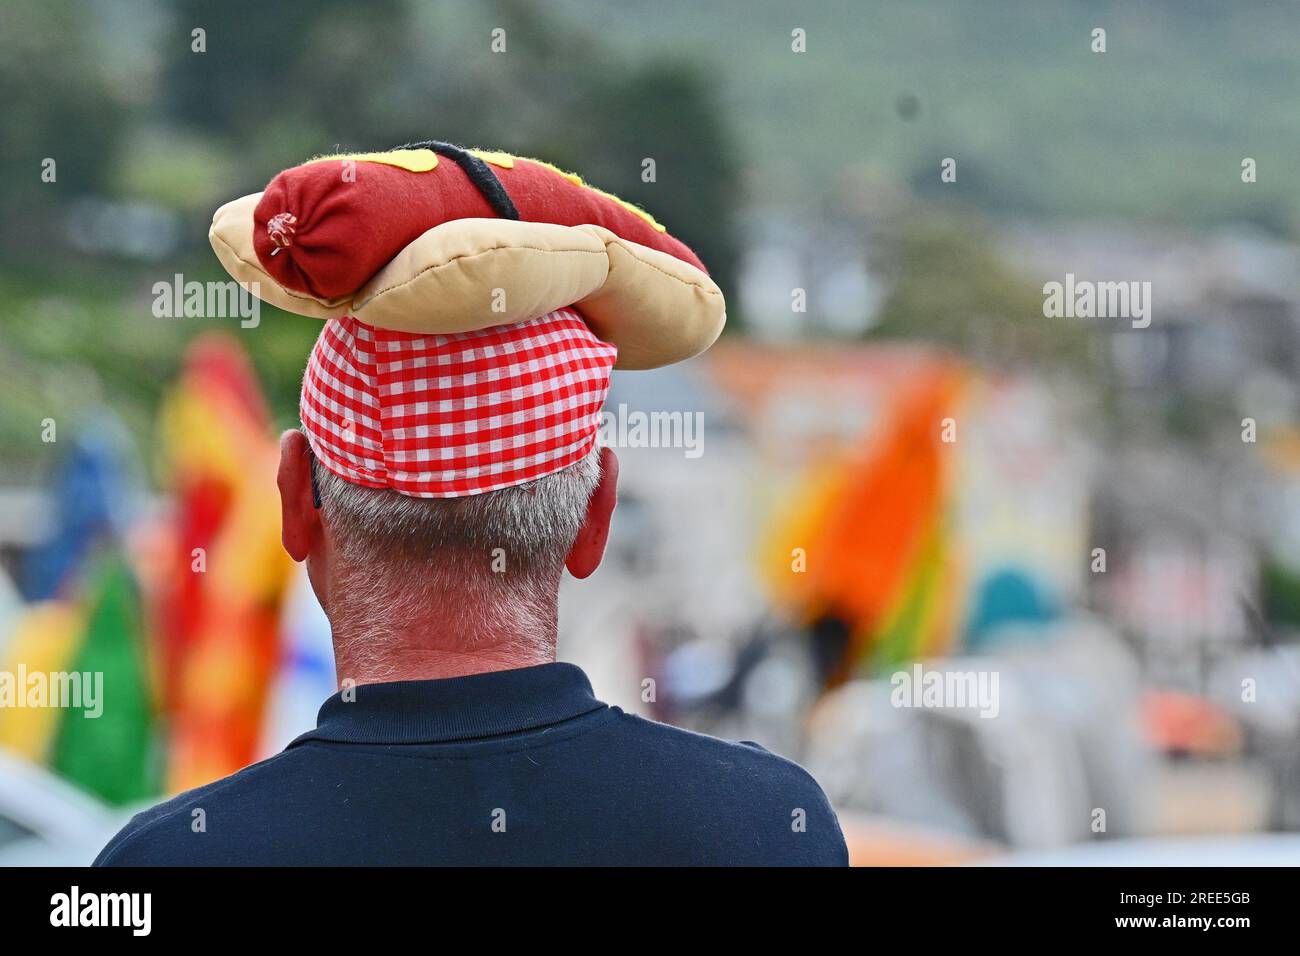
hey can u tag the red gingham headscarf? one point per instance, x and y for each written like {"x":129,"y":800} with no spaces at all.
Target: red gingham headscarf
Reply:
{"x":442,"y":416}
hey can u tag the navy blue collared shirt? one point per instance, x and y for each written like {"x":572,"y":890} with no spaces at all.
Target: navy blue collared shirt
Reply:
{"x":518,"y":767}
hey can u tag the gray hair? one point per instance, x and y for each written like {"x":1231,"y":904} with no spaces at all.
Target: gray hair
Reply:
{"x":494,"y":559}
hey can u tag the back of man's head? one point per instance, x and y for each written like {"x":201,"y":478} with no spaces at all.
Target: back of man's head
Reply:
{"x":469,"y":570}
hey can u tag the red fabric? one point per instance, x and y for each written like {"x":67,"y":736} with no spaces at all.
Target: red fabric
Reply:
{"x":332,"y":235}
{"x":441,"y":416}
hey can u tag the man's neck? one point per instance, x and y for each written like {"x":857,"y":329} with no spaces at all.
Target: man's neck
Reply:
{"x":435,"y":643}
{"x":421,"y":663}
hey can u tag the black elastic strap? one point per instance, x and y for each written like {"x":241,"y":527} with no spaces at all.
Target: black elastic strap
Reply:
{"x":479,"y":173}
{"x":315,"y":485}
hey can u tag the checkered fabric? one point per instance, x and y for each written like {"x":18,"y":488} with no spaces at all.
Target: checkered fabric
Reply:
{"x":441,"y":416}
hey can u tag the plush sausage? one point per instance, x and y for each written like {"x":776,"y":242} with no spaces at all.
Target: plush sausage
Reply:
{"x":326,"y":227}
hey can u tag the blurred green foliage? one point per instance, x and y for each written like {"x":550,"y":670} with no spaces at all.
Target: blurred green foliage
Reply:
{"x":948,"y":286}
{"x":1280,"y":585}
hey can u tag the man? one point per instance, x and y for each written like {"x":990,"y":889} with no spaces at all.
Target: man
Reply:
{"x":439,"y":488}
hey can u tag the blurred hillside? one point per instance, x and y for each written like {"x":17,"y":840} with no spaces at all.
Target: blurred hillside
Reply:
{"x":1154,"y":128}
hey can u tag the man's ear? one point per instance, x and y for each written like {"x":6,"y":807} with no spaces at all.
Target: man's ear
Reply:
{"x":300,"y":524}
{"x":589,"y":546}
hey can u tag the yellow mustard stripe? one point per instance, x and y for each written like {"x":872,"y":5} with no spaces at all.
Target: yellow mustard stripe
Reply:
{"x":571,"y":177}
{"x":632,"y":208}
{"x":412,"y":160}
{"x":504,"y":160}
{"x":507,"y":161}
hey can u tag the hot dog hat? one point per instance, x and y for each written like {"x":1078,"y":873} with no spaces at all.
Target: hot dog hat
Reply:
{"x":474,"y":305}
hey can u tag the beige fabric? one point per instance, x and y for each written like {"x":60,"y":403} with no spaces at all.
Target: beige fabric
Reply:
{"x":470,"y":274}
{"x":656,"y":308}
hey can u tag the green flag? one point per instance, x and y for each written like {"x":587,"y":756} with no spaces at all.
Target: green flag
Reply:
{"x":114,"y":755}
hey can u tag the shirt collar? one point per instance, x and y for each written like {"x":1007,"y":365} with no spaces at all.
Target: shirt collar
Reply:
{"x":455,"y":708}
